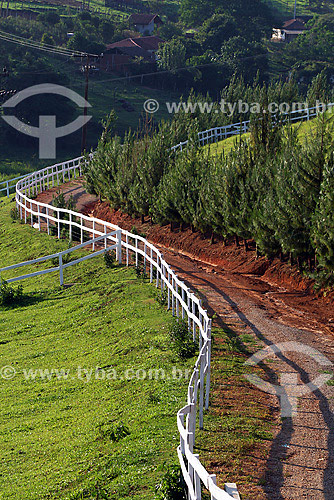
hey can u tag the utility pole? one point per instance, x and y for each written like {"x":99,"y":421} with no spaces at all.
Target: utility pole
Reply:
{"x":295,"y":11}
{"x":84,"y":128}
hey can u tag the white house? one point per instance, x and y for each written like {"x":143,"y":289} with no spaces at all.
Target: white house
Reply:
{"x":144,"y":23}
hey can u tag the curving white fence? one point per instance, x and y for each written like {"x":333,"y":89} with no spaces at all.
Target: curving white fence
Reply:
{"x":181,"y":301}
{"x":220,"y":133}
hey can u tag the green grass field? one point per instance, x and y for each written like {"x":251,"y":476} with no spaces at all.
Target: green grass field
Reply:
{"x":56,"y":435}
{"x":304,"y":7}
{"x":304,"y":130}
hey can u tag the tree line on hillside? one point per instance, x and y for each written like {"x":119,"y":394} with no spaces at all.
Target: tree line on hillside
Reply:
{"x":275,"y":188}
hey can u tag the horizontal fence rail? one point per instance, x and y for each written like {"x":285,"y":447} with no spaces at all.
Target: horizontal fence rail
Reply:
{"x":9,"y":185}
{"x":182,"y":302}
{"x":60,"y":257}
{"x":220,"y":133}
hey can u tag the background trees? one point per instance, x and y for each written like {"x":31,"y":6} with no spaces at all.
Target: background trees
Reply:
{"x":275,"y":187}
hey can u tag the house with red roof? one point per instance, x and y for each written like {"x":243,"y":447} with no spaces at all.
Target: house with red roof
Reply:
{"x":289,"y":31}
{"x":119,"y":55}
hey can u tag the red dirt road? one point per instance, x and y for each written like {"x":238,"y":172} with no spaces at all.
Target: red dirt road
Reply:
{"x":300,"y":463}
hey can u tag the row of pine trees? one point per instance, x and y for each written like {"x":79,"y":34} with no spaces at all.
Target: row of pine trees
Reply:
{"x":276,"y":187}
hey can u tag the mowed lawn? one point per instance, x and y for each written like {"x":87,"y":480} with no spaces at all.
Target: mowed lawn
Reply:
{"x":62,"y":438}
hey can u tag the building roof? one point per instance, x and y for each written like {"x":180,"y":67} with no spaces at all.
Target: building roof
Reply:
{"x":294,"y":25}
{"x":144,"y":19}
{"x":144,"y":42}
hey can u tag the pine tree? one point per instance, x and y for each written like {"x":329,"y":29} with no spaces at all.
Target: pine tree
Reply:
{"x":323,"y":220}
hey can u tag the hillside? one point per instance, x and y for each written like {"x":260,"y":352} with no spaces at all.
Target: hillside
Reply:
{"x":58,"y":434}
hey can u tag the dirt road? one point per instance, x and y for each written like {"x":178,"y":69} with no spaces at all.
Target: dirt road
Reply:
{"x":301,"y":458}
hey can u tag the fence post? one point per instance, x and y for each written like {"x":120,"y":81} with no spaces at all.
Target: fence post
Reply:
{"x":161,"y":273}
{"x":177,"y":300}
{"x":151,"y":266}
{"x":119,"y":246}
{"x":213,"y":478}
{"x":31,"y":215}
{"x":81,"y":230}
{"x":136,"y":245}
{"x":47,"y":219}
{"x":70,"y":228}
{"x":197,"y":483}
{"x":168,"y":291}
{"x":93,"y":244}
{"x":188,"y":305}
{"x":105,"y":232}
{"x":183,"y":310}
{"x":39,"y":218}
{"x":173,"y":300}
{"x":193,"y":308}
{"x":61,"y":275}
{"x":58,"y":214}
{"x":208,"y":374}
{"x":157,"y":281}
{"x":127,"y":249}
{"x":7,"y":189}
{"x":201,"y":391}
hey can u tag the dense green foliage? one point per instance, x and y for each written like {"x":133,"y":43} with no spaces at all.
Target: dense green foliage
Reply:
{"x":274,"y":188}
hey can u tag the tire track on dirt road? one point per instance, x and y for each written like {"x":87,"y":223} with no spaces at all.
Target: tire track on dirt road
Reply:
{"x":301,"y":459}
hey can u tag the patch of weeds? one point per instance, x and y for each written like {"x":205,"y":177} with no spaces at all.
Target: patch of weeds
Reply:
{"x":14,"y":214}
{"x":181,"y":339}
{"x":59,"y":201}
{"x":66,"y":257}
{"x":153,"y":398}
{"x":10,"y":295}
{"x":233,"y":342}
{"x":141,"y":273}
{"x":94,"y":492}
{"x":113,"y":432}
{"x":162,"y":297}
{"x":171,"y":486}
{"x":110,"y":258}
{"x":135,"y":231}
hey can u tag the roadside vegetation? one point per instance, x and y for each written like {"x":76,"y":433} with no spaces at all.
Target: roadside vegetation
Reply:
{"x":274,"y":188}
{"x":71,"y":431}
{"x":69,"y":437}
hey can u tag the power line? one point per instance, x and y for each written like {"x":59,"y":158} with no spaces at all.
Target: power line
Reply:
{"x":45,"y":47}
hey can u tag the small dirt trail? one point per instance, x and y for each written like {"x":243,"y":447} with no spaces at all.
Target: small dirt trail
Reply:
{"x":301,"y":458}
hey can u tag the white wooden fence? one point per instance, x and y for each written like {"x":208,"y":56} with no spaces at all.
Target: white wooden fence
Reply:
{"x":207,"y":137}
{"x":181,"y":301}
{"x":60,"y":256}
{"x":219,"y":133}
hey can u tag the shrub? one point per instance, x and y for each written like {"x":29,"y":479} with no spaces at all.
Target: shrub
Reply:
{"x":110,"y":258}
{"x":181,"y":339}
{"x":113,"y":432}
{"x":162,"y":297}
{"x":10,"y":295}
{"x":14,"y":214}
{"x":172,"y":485}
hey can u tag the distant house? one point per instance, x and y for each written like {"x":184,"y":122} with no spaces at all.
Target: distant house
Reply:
{"x":289,"y":31}
{"x":118,"y":55}
{"x":144,"y":23}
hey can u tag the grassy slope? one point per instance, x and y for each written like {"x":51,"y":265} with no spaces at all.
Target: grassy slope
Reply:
{"x":105,"y":92}
{"x":286,"y":7}
{"x":225,"y":146}
{"x":49,"y":429}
